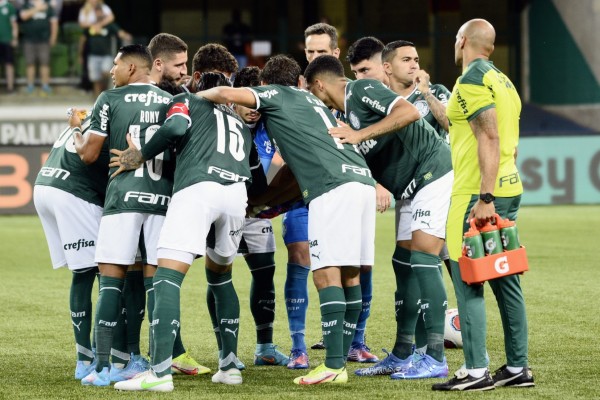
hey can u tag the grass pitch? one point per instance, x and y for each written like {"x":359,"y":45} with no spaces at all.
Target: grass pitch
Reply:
{"x":37,"y":355}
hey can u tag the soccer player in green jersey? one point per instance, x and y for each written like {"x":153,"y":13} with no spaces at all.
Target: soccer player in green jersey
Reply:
{"x":69,"y":197}
{"x":410,"y":160}
{"x":136,"y":201}
{"x":336,"y":182}
{"x":484,"y":114}
{"x":322,"y":39}
{"x":401,"y":64}
{"x":213,"y":146}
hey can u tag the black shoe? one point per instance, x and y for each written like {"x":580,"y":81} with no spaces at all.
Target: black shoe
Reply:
{"x":319,"y":345}
{"x":503,"y":377}
{"x":466,"y":382}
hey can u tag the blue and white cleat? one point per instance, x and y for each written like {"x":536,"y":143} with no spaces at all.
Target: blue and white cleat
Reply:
{"x":101,"y":378}
{"x":423,"y":368}
{"x":298,"y":359}
{"x":387,"y":366}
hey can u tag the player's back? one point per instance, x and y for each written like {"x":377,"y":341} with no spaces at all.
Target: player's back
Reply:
{"x":137,"y":109}
{"x":215,"y":147}
{"x":63,"y":169}
{"x":299,"y":123}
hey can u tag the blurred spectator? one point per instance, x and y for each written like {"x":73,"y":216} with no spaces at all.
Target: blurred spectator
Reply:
{"x":98,"y":43}
{"x":236,"y":36}
{"x":9,"y":36}
{"x":39,"y":29}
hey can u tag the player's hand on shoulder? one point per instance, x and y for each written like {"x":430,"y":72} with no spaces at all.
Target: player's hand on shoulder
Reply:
{"x":345,"y":133}
{"x":125,"y":160}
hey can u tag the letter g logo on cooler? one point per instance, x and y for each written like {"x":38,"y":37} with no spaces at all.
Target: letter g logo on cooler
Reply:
{"x":501,"y":265}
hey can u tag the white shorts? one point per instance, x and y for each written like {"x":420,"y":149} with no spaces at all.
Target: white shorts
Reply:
{"x":257,"y":236}
{"x":341,"y":227}
{"x":71,"y":227}
{"x":99,"y":67}
{"x":190,"y":214}
{"x":119,"y":237}
{"x":427,"y":211}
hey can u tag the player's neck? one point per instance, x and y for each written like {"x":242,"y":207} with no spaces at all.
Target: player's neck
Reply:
{"x":401,"y":88}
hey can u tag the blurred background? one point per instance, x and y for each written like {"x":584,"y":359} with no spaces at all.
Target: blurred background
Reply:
{"x":549,"y":48}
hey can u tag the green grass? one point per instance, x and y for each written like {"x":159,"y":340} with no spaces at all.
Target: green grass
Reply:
{"x":561,"y":288}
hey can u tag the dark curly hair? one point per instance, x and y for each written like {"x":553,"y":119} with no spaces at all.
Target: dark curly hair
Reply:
{"x":247,"y":77}
{"x":214,"y":57}
{"x":281,"y":70}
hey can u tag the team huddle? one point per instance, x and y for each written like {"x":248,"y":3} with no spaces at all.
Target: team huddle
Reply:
{"x":168,"y":167}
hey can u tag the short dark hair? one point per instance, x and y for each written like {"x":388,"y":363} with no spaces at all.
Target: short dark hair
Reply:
{"x":323,"y":29}
{"x":210,"y":80}
{"x":166,"y":45}
{"x":214,"y":57}
{"x":363,"y":49}
{"x":388,"y":51}
{"x":247,"y":77}
{"x":323,"y":65}
{"x":281,"y":70}
{"x":139,"y":52}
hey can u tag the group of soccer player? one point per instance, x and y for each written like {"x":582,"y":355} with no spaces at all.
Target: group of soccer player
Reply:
{"x":319,"y":147}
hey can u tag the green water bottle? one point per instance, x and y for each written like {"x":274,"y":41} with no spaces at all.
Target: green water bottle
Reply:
{"x":509,"y":234}
{"x":472,"y":242}
{"x":490,"y":234}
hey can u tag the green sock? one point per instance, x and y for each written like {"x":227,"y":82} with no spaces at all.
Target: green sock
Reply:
{"x":406,"y":302}
{"x":119,"y":354}
{"x":149,"y":308}
{"x":80,"y":302}
{"x":107,"y":315}
{"x":262,"y":294}
{"x":228,"y":315}
{"x":167,"y":289}
{"x":353,"y":309}
{"x":433,"y":300}
{"x":212,"y":311}
{"x":134,"y":296}
{"x":178,"y":347}
{"x":333,"y":309}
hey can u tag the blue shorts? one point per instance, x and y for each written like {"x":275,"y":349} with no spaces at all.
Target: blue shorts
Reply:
{"x":295,"y":225}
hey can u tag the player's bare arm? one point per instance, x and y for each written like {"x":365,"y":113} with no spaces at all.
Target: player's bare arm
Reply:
{"x":437,"y":108}
{"x":224,"y":95}
{"x":126,"y":160}
{"x":485,"y":129}
{"x":87,"y":146}
{"x":403,"y":113}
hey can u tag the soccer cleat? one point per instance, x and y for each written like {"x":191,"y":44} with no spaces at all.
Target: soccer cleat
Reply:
{"x":232,"y":376}
{"x":141,"y":361}
{"x":147,"y":381}
{"x":298,"y":359}
{"x":319,"y":345}
{"x":136,"y":365}
{"x":82,"y":369}
{"x":466,"y":382}
{"x":423,"y":368}
{"x":387,"y":366}
{"x":503,"y":377}
{"x":94,"y":378}
{"x":361,"y":353}
{"x":267,"y":354}
{"x":185,"y":364}
{"x":322,"y":374}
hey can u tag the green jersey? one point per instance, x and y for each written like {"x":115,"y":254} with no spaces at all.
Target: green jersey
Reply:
{"x":64,"y":169}
{"x":403,"y":161}
{"x":213,"y":143}
{"x":37,"y":28}
{"x":8,"y":15}
{"x":298,"y":124}
{"x":442,"y":94}
{"x":137,"y":109}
